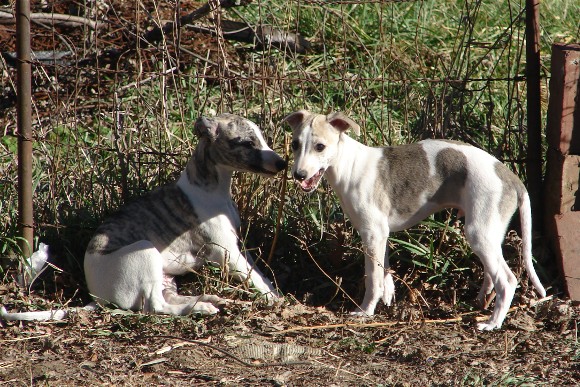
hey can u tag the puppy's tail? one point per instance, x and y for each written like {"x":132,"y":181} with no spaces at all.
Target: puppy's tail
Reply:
{"x":526,"y":225}
{"x":47,"y":315}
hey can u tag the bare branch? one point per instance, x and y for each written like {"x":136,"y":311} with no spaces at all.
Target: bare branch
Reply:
{"x":53,"y":19}
{"x":262,"y":36}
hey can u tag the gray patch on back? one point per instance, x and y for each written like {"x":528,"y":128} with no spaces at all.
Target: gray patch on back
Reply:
{"x":405,"y":171}
{"x":512,"y":188}
{"x":451,"y":175}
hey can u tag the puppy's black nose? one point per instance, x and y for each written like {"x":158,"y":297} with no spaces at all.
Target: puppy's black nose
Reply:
{"x":300,"y":175}
{"x":281,"y":164}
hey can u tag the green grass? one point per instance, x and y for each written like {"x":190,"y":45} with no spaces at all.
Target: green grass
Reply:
{"x":404,"y":71}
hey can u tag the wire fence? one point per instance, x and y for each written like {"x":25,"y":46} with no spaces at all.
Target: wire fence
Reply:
{"x":117,"y":86}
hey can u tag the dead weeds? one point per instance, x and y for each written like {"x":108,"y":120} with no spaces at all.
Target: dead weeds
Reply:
{"x":291,"y":344}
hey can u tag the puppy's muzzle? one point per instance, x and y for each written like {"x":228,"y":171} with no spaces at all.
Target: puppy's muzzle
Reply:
{"x":281,"y":164}
{"x":272,"y":163}
{"x":308,"y":184}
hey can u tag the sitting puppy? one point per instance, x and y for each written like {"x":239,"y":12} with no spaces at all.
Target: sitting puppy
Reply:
{"x":393,"y":188}
{"x":132,"y":259}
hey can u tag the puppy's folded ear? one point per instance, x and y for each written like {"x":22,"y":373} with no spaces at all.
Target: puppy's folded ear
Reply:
{"x":296,"y":118}
{"x":206,"y":127}
{"x":342,"y":122}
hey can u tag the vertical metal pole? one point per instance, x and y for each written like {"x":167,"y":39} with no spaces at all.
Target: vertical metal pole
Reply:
{"x":534,"y":111}
{"x":24,"y":125}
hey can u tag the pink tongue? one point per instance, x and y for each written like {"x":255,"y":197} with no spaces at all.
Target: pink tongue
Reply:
{"x":305,"y":184}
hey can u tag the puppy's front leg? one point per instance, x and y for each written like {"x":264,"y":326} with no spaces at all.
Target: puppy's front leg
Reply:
{"x":375,"y":278}
{"x":244,"y":269}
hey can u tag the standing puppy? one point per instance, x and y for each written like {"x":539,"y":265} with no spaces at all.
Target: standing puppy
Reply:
{"x":393,"y":188}
{"x":133,"y":257}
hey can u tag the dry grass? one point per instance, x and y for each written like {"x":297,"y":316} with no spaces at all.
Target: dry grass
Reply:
{"x":109,"y":130}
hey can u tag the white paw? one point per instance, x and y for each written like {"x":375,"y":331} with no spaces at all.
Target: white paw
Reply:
{"x":212,"y":299}
{"x":361,"y":313}
{"x":204,"y":308}
{"x":388,"y":290}
{"x":488,"y":326}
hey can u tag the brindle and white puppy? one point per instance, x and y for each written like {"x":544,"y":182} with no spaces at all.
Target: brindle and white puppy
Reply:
{"x":132,"y":259}
{"x":393,"y":188}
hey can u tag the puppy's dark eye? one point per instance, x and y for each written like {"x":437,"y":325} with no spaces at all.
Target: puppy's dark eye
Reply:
{"x":246,"y":143}
{"x":295,"y":145}
{"x":319,"y":147}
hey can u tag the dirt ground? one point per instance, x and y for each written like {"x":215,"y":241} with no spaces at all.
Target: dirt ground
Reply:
{"x":310,"y":340}
{"x":292,"y":345}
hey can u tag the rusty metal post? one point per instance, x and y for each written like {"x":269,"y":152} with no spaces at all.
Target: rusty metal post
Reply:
{"x":563,"y":165}
{"x":24,"y":125}
{"x":534,"y":111}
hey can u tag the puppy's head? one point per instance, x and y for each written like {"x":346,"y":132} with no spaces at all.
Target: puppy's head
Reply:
{"x":315,"y":139}
{"x":237,"y":144}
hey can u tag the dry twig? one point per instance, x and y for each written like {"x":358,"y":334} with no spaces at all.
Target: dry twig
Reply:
{"x":53,"y":19}
{"x":459,"y":318}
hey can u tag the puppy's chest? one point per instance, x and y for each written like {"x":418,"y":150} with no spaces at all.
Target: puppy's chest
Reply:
{"x":219,"y":226}
{"x":215,"y":228}
{"x":209,"y":238}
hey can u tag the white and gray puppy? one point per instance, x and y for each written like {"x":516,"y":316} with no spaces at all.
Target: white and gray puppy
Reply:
{"x":134,"y":256}
{"x":392,"y":188}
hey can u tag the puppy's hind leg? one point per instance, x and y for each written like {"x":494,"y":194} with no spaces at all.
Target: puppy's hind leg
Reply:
{"x":204,"y":304}
{"x":133,"y":278}
{"x":486,"y":288}
{"x":505,"y":287}
{"x":486,"y":243}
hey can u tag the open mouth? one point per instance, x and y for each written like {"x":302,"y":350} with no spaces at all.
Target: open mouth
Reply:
{"x":309,"y":185}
